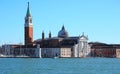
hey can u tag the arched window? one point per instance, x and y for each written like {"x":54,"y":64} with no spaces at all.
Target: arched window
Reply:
{"x":30,"y":20}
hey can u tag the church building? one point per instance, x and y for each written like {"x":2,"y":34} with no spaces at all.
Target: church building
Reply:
{"x":60,"y":46}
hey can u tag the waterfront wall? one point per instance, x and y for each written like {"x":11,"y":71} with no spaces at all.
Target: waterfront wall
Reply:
{"x":9,"y":51}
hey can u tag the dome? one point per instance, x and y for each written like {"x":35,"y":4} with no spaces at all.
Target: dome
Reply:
{"x":63,"y":33}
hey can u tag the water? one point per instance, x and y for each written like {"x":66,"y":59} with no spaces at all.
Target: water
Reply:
{"x":59,"y":66}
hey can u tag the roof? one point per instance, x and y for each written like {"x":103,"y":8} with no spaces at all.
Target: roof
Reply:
{"x":97,"y":43}
{"x":56,"y":38}
{"x":103,"y":45}
{"x":28,"y":11}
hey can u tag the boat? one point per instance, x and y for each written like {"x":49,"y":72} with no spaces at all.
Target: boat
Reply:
{"x":55,"y":57}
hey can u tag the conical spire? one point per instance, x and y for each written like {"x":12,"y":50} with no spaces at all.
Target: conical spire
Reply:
{"x":28,"y":11}
{"x":63,"y":28}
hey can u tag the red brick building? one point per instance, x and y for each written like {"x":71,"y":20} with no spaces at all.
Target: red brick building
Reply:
{"x":103,"y":50}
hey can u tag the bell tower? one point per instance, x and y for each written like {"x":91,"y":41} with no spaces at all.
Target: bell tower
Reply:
{"x":28,"y":27}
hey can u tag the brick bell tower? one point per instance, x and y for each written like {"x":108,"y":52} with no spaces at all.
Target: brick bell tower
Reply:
{"x":28,"y":27}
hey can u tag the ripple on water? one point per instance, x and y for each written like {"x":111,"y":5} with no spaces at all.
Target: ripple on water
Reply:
{"x":59,"y":66}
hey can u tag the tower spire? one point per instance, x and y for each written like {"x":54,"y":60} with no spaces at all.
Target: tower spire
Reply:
{"x":63,"y":28}
{"x":28,"y":11}
{"x":43,"y":35}
{"x":28,"y":27}
{"x":49,"y":34}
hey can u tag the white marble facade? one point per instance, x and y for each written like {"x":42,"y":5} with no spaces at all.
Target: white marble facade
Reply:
{"x":82,"y":48}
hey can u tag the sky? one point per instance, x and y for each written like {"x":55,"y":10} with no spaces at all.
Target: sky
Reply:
{"x":99,"y":19}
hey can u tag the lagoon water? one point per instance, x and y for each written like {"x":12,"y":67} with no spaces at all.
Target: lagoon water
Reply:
{"x":59,"y":66}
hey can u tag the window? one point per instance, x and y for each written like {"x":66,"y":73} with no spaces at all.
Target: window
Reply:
{"x":30,"y":20}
